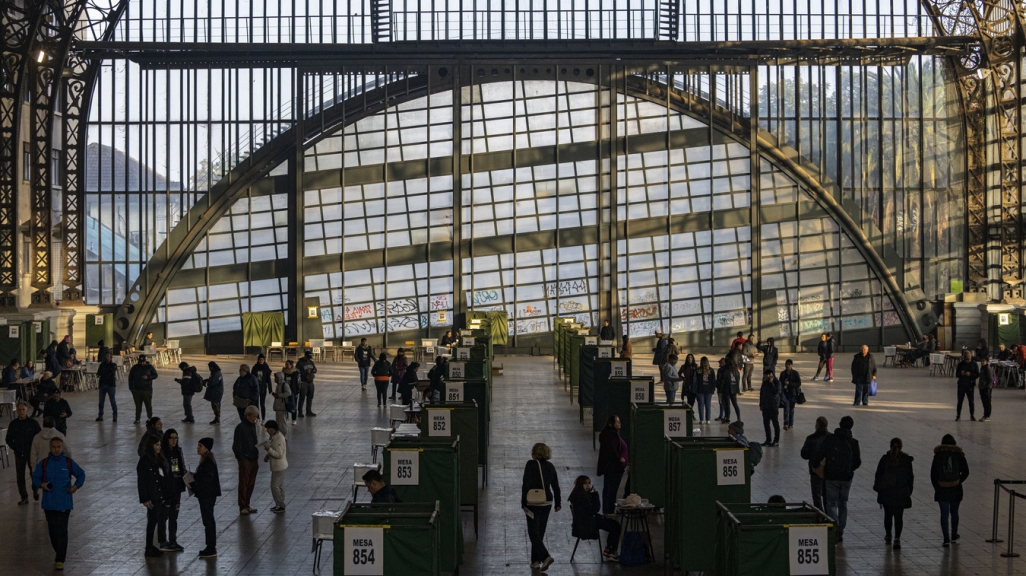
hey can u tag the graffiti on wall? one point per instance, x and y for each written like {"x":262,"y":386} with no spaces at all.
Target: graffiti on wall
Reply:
{"x":632,"y":313}
{"x":531,"y":325}
{"x":566,"y":288}
{"x":644,"y":328}
{"x":359,"y":312}
{"x":485,"y":297}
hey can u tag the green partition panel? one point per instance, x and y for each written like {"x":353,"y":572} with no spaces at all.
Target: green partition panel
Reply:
{"x":428,"y":470}
{"x":99,"y":327}
{"x":38,"y":341}
{"x":774,"y":540}
{"x":577,"y":348}
{"x":458,"y":420}
{"x":615,"y":396}
{"x":701,"y":471}
{"x":476,"y":391}
{"x":399,"y":539}
{"x":572,"y":329}
{"x":594,"y":373}
{"x":650,"y":423}
{"x":14,"y":342}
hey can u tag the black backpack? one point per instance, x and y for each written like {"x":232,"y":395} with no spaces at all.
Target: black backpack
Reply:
{"x":950,"y":472}
{"x":839,"y":457}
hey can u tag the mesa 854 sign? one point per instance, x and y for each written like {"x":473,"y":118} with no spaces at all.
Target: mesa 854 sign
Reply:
{"x":363,"y":550}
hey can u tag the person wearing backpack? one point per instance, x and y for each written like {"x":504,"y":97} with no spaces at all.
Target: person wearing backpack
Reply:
{"x":967,"y":372}
{"x":769,"y":405}
{"x":841,"y":457}
{"x":893,"y":487}
{"x":53,"y":475}
{"x":812,"y":446}
{"x":947,"y":473}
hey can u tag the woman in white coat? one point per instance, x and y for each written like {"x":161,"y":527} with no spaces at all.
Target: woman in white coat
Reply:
{"x":276,"y":448}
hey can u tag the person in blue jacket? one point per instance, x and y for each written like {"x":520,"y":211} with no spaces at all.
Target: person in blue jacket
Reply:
{"x":53,"y":475}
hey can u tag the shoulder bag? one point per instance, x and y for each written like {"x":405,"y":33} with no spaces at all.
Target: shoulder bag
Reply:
{"x":536,"y":496}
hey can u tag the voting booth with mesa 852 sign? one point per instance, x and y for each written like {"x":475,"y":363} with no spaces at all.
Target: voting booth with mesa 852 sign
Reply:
{"x":774,"y":540}
{"x":387,"y":540}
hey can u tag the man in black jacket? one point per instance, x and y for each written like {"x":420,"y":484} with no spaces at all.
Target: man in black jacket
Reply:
{"x":244,"y":446}
{"x":140,"y":384}
{"x":307,"y":369}
{"x":381,"y":493}
{"x":263,"y":375}
{"x":769,"y":405}
{"x":769,"y":355}
{"x":364,"y":356}
{"x":607,"y":332}
{"x":107,"y":375}
{"x":64,"y":352}
{"x":58,"y":409}
{"x":810,"y":450}
{"x":863,"y":372}
{"x":188,"y":389}
{"x":840,"y":452}
{"x":247,"y":388}
{"x":20,"y":433}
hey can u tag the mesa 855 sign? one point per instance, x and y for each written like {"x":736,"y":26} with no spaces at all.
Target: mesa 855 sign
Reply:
{"x":807,"y":550}
{"x":363,"y":550}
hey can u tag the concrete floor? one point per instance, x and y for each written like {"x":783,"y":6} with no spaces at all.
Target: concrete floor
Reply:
{"x":530,"y":405}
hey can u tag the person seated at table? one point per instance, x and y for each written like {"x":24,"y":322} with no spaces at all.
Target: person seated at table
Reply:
{"x":408,"y":384}
{"x":44,"y":391}
{"x":381,"y":493}
{"x":982,"y":351}
{"x":585,"y":505}
{"x":28,"y":371}
{"x":10,"y":375}
{"x":923,"y":349}
{"x":58,"y":409}
{"x":448,"y":340}
{"x":1003,"y":354}
{"x":148,"y":339}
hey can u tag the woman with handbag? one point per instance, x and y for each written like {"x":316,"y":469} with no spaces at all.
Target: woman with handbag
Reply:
{"x":282,"y":397}
{"x":538,"y":493}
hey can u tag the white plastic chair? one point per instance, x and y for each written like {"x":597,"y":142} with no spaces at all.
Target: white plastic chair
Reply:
{"x":396,"y":414}
{"x":379,"y":439}
{"x":275,"y":348}
{"x":890,"y":352}
{"x":323,"y":530}
{"x":936,"y":363}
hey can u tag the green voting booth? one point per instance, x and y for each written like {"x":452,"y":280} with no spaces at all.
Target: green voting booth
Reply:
{"x":774,"y":540}
{"x":99,"y":327}
{"x":387,"y":539}
{"x":458,"y":420}
{"x":650,"y":423}
{"x":614,"y":396}
{"x":459,"y":390}
{"x":595,"y":372}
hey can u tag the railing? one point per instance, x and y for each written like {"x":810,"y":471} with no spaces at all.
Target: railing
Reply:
{"x":999,"y":485}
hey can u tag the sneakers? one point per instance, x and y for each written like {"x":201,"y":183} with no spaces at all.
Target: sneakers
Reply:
{"x":973,"y":418}
{"x":887,"y":539}
{"x":99,"y":418}
{"x":277,"y":509}
{"x":301,"y":415}
{"x":58,"y":565}
{"x":535,"y":565}
{"x":363,"y":387}
{"x":23,"y":501}
{"x":165,"y":547}
{"x":136,"y":422}
{"x":828,"y":379}
{"x":294,"y":423}
{"x":215,"y":421}
{"x":175,"y":548}
{"x":208,"y":553}
{"x":252,"y":510}
{"x":897,"y":544}
{"x":946,"y":543}
{"x":242,"y":511}
{"x":767,"y":443}
{"x":814,"y":378}
{"x":153,"y":553}
{"x":311,"y":414}
{"x":609,"y":554}
{"x":985,"y":419}
{"x":955,"y":537}
{"x":957,"y":418}
{"x":546,"y":563}
{"x":188,"y":421}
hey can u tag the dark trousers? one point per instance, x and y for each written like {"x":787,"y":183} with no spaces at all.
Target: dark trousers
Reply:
{"x":143,"y":397}
{"x":382,"y":388}
{"x":896,"y":515}
{"x":610,"y":485}
{"x":746,"y":377}
{"x":733,"y":400}
{"x":861,"y":393}
{"x":206,"y":506}
{"x":949,"y":509}
{"x":216,"y":407}
{"x":187,"y":406}
{"x":612,"y":527}
{"x":263,"y":399}
{"x":108,"y":392}
{"x":21,"y":467}
{"x":818,"y":486}
{"x":242,"y":413}
{"x":57,"y":526}
{"x":364,"y":372}
{"x":247,"y":480}
{"x":306,"y":394}
{"x":536,"y":532}
{"x":789,"y":413}
{"x":965,"y":392}
{"x":985,"y":399}
{"x":822,"y":363}
{"x":155,"y":516}
{"x":771,"y":417}
{"x":170,"y":534}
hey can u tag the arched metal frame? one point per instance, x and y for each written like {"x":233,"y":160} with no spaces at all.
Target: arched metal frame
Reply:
{"x":145,"y":296}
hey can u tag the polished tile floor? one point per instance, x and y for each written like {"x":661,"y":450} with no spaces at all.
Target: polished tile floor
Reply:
{"x":530,"y":405}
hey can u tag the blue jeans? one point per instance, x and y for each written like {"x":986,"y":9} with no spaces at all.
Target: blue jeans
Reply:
{"x":671,"y":396}
{"x":364,"y":372}
{"x":704,"y":406}
{"x":862,"y":393}
{"x":610,"y":485}
{"x":949,"y":508}
{"x":789,"y":413}
{"x":836,"y":497}
{"x":108,"y":392}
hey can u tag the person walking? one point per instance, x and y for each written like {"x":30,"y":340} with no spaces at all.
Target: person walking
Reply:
{"x":825,"y":349}
{"x":44,"y":391}
{"x":364,"y":356}
{"x":612,"y":462}
{"x":245,"y":392}
{"x":276,"y":448}
{"x":588,"y":519}
{"x":769,"y":355}
{"x":153,"y":479}
{"x":140,"y":384}
{"x":244,"y":446}
{"x":399,"y":365}
{"x":41,"y":446}
{"x":840,"y":452}
{"x":705,"y":386}
{"x":627,"y":350}
{"x":20,"y":433}
{"x":382,"y":373}
{"x":986,"y":387}
{"x":947,"y":474}
{"x":52,"y":364}
{"x":967,"y":372}
{"x":262,"y":371}
{"x":107,"y":378}
{"x":671,"y":379}
{"x":893,"y":486}
{"x":58,"y":409}
{"x":307,"y":370}
{"x":282,"y":397}
{"x":791,"y":386}
{"x":206,"y":485}
{"x":215,"y":390}
{"x":172,"y":451}
{"x":188,"y":386}
{"x":769,"y":405}
{"x":863,"y":373}
{"x":408,"y":384}
{"x":811,"y":449}
{"x":539,"y":491}
{"x":59,"y":477}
